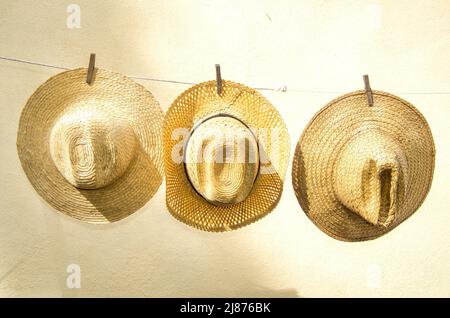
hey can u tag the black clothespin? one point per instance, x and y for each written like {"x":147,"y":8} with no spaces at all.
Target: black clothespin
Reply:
{"x":218,"y":79}
{"x":368,"y":90}
{"x":90,"y":73}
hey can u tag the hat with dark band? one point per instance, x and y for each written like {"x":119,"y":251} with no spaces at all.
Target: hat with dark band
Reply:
{"x":226,"y":156}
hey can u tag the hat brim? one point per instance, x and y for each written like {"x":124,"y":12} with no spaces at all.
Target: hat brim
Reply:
{"x":111,"y":92}
{"x":317,"y":150}
{"x":249,"y":106}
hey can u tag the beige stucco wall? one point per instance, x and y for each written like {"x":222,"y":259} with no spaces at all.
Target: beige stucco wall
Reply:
{"x":314,"y":45}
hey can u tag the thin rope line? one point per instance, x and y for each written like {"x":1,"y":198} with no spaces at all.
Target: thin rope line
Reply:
{"x":424,"y":93}
{"x":160,"y":80}
{"x":281,"y":89}
{"x":284,"y":89}
{"x":33,"y":63}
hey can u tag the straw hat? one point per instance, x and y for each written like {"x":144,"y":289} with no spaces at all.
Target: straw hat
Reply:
{"x":226,"y":156}
{"x":93,"y":152}
{"x":360,"y":171}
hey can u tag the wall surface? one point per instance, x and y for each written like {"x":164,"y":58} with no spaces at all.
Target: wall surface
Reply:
{"x":322,"y":47}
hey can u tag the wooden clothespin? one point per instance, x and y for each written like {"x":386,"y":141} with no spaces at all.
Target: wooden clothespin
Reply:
{"x":90,"y":73}
{"x":368,"y":90}
{"x":218,"y":79}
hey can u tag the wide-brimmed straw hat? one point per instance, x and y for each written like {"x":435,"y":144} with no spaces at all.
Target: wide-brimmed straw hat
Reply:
{"x":93,"y":152}
{"x":360,"y":170}
{"x":226,"y":156}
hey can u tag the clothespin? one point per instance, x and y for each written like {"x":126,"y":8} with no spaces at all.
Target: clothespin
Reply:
{"x":218,"y":79}
{"x":368,"y":90}
{"x":90,"y":73}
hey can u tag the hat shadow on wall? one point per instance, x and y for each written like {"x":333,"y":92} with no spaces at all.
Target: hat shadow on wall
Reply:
{"x":141,"y":166}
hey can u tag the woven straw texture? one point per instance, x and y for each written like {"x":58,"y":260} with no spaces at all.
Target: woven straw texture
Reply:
{"x":360,"y":171}
{"x":200,"y":103}
{"x":224,"y":174}
{"x":93,"y":152}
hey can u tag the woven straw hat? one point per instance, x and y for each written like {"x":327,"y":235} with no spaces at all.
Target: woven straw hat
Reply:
{"x":360,"y":170}
{"x":93,"y":152}
{"x":226,"y":156}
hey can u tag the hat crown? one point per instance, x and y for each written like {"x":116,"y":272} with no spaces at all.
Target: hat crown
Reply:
{"x":222,"y":160}
{"x":90,"y":147}
{"x":369,"y":177}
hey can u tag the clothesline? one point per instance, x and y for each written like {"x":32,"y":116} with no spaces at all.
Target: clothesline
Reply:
{"x":280,"y":89}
